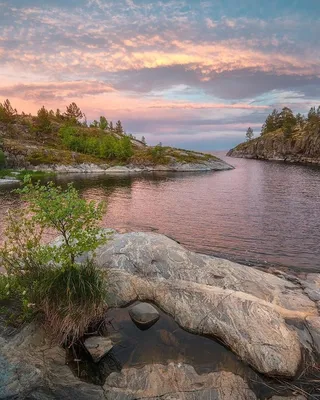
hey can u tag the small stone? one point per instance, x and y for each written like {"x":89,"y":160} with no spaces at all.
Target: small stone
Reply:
{"x":98,"y":347}
{"x":144,"y":315}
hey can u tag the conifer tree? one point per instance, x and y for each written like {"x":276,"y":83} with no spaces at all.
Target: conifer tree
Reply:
{"x":249,"y":133}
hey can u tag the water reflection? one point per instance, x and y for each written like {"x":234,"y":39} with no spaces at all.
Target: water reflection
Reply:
{"x":259,"y":213}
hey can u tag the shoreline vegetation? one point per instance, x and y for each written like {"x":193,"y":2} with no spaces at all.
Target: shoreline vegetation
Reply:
{"x":47,"y":279}
{"x":284,"y":137}
{"x":55,"y":141}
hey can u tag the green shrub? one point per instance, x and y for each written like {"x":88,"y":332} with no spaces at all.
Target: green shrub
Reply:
{"x":70,"y":295}
{"x":158,"y":153}
{"x":15,"y":308}
{"x":96,"y":143}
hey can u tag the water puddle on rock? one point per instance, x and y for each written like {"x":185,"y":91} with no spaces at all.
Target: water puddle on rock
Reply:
{"x":162,"y":343}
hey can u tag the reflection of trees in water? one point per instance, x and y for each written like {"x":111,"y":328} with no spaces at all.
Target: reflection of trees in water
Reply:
{"x":112,"y":182}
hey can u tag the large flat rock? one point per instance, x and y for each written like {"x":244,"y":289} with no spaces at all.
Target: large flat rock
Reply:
{"x":175,"y":382}
{"x":244,"y":307}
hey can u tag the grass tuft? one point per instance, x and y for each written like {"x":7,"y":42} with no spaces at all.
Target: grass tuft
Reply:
{"x":71,"y":299}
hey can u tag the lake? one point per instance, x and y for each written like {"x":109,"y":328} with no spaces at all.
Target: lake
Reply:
{"x":262,"y":213}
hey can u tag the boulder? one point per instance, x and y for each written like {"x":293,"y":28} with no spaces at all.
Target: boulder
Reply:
{"x":175,"y":382}
{"x":98,"y":347}
{"x":244,"y":307}
{"x":144,"y":315}
{"x":31,"y":368}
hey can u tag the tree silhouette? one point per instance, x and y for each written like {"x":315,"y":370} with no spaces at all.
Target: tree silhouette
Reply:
{"x":249,"y":134}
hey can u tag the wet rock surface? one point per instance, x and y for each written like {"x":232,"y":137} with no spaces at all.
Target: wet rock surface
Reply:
{"x":144,"y":315}
{"x":175,"y":382}
{"x":246,"y":308}
{"x":98,"y":346}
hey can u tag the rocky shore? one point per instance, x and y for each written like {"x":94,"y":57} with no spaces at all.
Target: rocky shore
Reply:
{"x":275,"y":146}
{"x":272,"y":323}
{"x":205,"y":165}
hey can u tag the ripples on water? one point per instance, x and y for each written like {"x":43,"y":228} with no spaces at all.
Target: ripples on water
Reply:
{"x":261,"y":212}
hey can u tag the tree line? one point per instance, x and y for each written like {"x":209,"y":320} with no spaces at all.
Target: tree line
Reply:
{"x":44,"y":120}
{"x":287,"y":121}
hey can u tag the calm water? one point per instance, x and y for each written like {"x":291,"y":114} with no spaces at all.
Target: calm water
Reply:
{"x":263,"y":213}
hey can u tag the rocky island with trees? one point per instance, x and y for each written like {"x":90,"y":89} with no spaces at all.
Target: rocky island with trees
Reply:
{"x":56,"y":141}
{"x":284,"y":137}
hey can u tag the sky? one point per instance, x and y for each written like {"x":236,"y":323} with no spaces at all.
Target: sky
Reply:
{"x":193,"y":74}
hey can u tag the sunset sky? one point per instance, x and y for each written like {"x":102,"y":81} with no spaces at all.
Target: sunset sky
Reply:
{"x":193,"y":74}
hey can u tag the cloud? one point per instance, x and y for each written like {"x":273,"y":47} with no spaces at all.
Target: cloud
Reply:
{"x":55,"y":90}
{"x":204,"y":106}
{"x":127,"y":57}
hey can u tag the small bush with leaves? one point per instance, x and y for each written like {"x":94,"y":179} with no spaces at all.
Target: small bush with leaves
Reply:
{"x":70,"y":295}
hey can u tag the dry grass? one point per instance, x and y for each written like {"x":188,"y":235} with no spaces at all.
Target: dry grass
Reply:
{"x":71,"y":299}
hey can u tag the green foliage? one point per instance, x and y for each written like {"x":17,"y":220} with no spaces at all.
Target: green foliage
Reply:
{"x":69,"y":294}
{"x":249,"y":134}
{"x":158,"y":152}
{"x":15,"y":308}
{"x":43,"y":121}
{"x":69,"y":215}
{"x":313,"y":120}
{"x":103,"y":123}
{"x":7,"y":112}
{"x":284,"y":120}
{"x":96,"y":143}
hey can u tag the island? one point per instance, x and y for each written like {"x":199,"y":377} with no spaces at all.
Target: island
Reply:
{"x":285,"y":137}
{"x":53,"y":141}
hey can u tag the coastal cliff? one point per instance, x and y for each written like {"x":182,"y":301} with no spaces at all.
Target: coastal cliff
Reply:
{"x":301,"y":147}
{"x":284,"y":137}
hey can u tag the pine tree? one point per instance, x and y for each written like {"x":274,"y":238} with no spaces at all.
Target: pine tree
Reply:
{"x":59,"y":116}
{"x":7,"y":112}
{"x":43,"y":120}
{"x":249,"y":133}
{"x":73,"y":112}
{"x":271,"y":123}
{"x":300,"y":120}
{"x":111,"y":126}
{"x":119,"y":128}
{"x":143,"y":140}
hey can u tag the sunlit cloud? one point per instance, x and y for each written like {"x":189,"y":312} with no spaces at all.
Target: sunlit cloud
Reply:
{"x":55,"y":90}
{"x":125,"y":57}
